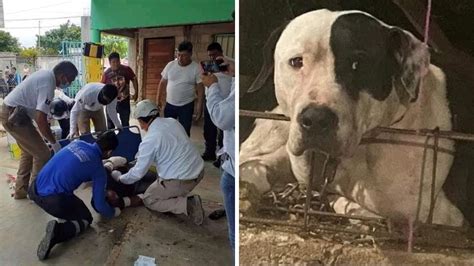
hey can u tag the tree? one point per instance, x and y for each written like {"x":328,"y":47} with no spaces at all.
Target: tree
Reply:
{"x":50,"y":43}
{"x":113,"y":43}
{"x":8,"y":43}
{"x":31,"y":54}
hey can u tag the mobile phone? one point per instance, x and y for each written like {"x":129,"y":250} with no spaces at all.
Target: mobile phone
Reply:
{"x":213,"y":66}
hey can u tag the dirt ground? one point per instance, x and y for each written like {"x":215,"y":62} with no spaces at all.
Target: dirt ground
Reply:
{"x":264,"y":243}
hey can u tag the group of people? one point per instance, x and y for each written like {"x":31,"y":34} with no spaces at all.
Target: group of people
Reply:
{"x":50,"y":180}
{"x":181,"y":80}
{"x":10,"y":78}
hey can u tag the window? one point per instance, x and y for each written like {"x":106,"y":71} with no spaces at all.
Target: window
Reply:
{"x":227,"y":41}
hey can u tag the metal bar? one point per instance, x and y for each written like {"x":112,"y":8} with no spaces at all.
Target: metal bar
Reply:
{"x":309,"y":187}
{"x":313,"y":226}
{"x":422,"y":132}
{"x":256,"y":114}
{"x":328,"y":214}
{"x":433,"y":178}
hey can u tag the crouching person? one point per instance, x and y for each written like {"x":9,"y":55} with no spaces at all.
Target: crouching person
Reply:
{"x":53,"y":189}
{"x":178,"y":162}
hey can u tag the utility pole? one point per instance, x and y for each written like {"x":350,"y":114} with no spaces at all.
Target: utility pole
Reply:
{"x":39,"y":34}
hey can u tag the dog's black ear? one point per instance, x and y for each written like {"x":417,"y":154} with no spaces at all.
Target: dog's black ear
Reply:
{"x":268,"y":62}
{"x":413,"y":60}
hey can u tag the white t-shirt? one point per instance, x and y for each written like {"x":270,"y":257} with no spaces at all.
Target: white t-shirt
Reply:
{"x":181,"y":82}
{"x":87,"y":99}
{"x":168,"y":146}
{"x":34,"y":93}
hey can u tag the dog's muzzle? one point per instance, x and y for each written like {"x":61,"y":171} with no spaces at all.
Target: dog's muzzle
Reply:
{"x":316,"y":129}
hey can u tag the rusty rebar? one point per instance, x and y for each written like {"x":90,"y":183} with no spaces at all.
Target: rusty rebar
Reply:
{"x":433,"y":177}
{"x":322,"y":213}
{"x":309,"y":187}
{"x":422,"y":132}
{"x":296,"y":224}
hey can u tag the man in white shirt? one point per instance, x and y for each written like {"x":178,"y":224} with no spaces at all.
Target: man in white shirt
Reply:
{"x":179,"y":86}
{"x":90,"y":102}
{"x":31,"y":101}
{"x":179,"y":165}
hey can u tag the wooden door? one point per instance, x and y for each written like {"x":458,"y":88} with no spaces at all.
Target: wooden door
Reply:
{"x":158,"y":52}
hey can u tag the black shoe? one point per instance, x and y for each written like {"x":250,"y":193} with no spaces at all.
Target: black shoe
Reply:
{"x":217,"y":214}
{"x":195,"y":210}
{"x":47,"y":243}
{"x":217,"y":162}
{"x":208,"y":156}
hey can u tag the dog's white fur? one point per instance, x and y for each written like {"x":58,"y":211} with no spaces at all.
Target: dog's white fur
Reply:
{"x":383,"y":179}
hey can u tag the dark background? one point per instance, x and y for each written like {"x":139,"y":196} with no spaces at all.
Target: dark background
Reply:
{"x":451,"y":40}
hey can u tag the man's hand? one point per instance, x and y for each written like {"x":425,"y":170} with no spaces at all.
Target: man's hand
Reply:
{"x":56,"y":147}
{"x":74,"y":133}
{"x":230,"y":65}
{"x":116,"y":175}
{"x":198,"y":114}
{"x":208,"y":79}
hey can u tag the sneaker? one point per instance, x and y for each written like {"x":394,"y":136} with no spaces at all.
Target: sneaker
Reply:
{"x":217,"y":214}
{"x":47,"y":243}
{"x":195,"y":210}
{"x":207,"y":156}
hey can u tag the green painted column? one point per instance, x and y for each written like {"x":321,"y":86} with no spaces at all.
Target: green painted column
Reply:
{"x":95,"y":35}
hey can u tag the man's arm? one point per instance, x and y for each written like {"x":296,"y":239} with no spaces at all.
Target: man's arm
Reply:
{"x":111,"y":110}
{"x":221,"y":110}
{"x":99,"y":183}
{"x":104,"y":78}
{"x":135,"y":86}
{"x":161,"y":94}
{"x":200,"y":96}
{"x":43,"y":126}
{"x":146,"y":153}
{"x":73,"y":118}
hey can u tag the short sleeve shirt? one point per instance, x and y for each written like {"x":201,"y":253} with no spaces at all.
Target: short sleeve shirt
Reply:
{"x":181,"y":82}
{"x":35,"y":93}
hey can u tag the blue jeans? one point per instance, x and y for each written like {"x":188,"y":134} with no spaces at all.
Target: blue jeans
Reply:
{"x":228,"y":189}
{"x":184,"y":114}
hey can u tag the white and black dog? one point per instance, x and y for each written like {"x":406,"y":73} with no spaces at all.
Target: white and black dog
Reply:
{"x":338,"y":75}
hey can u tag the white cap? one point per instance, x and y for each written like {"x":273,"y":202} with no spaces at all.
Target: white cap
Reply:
{"x":145,"y":108}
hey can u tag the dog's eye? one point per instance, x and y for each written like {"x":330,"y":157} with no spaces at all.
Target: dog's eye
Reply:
{"x":296,"y":62}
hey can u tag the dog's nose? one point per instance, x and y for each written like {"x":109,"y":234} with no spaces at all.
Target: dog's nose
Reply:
{"x":318,"y":120}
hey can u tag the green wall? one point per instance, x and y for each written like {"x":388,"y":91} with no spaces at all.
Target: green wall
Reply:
{"x":122,"y":14}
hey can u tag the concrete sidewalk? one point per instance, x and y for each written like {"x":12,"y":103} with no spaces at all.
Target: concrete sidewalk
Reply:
{"x":171,"y":240}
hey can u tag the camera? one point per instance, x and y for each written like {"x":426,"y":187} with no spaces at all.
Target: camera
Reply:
{"x":213,"y":66}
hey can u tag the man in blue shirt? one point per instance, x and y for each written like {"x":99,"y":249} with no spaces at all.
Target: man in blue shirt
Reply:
{"x":53,"y":189}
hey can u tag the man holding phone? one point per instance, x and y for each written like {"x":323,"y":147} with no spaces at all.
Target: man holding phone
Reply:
{"x":213,"y":136}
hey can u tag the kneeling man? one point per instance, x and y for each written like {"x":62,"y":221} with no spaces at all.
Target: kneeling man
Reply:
{"x":178,"y":162}
{"x":53,"y":189}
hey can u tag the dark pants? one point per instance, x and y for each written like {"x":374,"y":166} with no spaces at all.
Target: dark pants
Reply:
{"x":212,"y":135}
{"x":123,"y":110}
{"x":67,"y":207}
{"x":64,"y":124}
{"x":184,"y":114}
